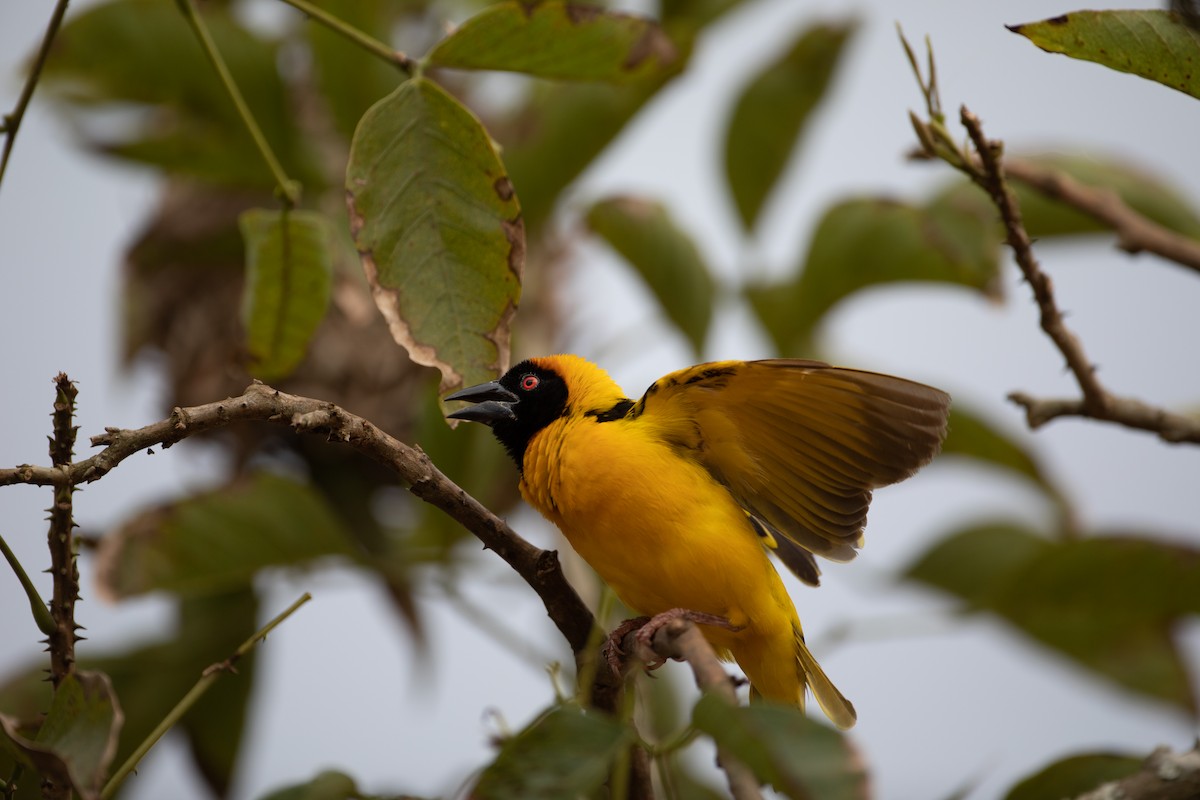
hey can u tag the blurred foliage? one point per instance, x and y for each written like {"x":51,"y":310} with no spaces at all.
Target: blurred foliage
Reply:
{"x":565,"y":752}
{"x":771,"y":113}
{"x":797,"y":756}
{"x":289,"y":272}
{"x":1110,"y":601}
{"x":1151,"y":197}
{"x":866,"y":242}
{"x":664,"y":255}
{"x":1074,"y":776}
{"x":452,"y":190}
{"x":220,"y":539}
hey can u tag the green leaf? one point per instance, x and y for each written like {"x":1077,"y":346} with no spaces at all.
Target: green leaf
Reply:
{"x":1075,"y":776}
{"x":664,"y":255}
{"x":564,"y":753}
{"x":142,"y":52}
{"x":1109,"y":603}
{"x":219,"y":539}
{"x":557,"y":40}
{"x":1149,"y":195}
{"x":289,"y":275}
{"x":439,"y":230}
{"x":972,"y":436}
{"x":326,"y":785}
{"x":78,"y":740}
{"x":799,"y":757}
{"x":772,"y":112}
{"x":1150,"y":43}
{"x":867,"y":242}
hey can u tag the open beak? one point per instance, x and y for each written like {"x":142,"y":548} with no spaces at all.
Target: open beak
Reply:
{"x":493,"y":403}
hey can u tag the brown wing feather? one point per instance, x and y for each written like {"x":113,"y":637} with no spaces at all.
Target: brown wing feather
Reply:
{"x":800,"y":444}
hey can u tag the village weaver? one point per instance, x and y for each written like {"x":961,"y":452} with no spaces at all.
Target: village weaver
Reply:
{"x":677,"y":499}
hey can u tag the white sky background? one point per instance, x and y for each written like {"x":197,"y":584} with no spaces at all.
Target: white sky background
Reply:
{"x":941,"y":706}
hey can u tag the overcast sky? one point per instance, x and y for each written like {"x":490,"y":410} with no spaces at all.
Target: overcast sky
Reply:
{"x":941,"y":706}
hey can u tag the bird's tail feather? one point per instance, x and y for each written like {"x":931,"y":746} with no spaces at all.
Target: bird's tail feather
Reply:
{"x":835,"y":705}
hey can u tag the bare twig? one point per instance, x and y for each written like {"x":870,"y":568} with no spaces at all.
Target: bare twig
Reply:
{"x":1097,"y":402}
{"x":539,"y":568}
{"x":1135,"y":233}
{"x":63,"y":569}
{"x":1127,"y":411}
{"x":12,"y":120}
{"x":990,"y":177}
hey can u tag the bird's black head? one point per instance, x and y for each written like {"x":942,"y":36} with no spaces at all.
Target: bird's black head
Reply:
{"x":528,"y":398}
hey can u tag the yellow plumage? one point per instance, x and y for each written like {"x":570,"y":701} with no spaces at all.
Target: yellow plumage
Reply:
{"x":675,"y":500}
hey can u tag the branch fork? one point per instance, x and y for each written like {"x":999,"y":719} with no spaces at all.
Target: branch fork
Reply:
{"x":985,"y":167}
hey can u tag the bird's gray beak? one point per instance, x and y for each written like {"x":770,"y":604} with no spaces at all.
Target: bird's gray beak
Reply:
{"x":493,"y":403}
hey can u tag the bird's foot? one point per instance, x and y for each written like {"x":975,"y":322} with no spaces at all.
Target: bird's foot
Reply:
{"x":611,"y":650}
{"x":646,"y":632}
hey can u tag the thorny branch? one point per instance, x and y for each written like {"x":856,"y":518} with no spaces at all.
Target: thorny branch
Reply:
{"x":539,"y":568}
{"x":63,"y":569}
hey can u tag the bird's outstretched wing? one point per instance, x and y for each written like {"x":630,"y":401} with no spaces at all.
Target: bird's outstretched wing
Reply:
{"x":799,"y":444}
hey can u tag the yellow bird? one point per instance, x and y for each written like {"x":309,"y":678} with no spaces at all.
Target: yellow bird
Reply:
{"x":677,"y":498}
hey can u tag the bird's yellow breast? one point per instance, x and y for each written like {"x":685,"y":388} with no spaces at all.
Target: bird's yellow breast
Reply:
{"x":654,"y":524}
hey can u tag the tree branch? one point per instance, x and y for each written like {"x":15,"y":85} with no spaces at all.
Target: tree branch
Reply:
{"x":990,"y":177}
{"x":1135,"y":233}
{"x":1127,"y":411}
{"x":539,"y":568}
{"x":1097,"y":402}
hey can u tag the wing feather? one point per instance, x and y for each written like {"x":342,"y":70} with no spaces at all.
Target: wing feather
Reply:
{"x":799,"y":444}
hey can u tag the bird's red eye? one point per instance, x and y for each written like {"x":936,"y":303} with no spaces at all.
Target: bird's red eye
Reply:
{"x":529,"y":382}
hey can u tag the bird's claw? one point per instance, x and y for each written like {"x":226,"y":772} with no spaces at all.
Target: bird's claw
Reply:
{"x":611,"y":650}
{"x":646,"y":628}
{"x":645,"y":635}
